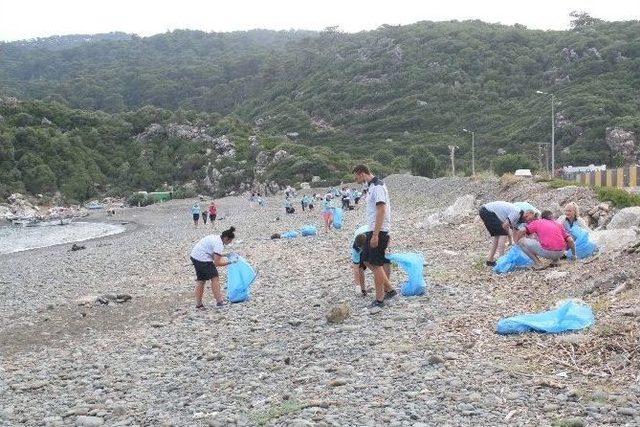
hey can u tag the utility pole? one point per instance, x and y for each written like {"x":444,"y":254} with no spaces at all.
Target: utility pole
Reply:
{"x":473,"y":151}
{"x":543,"y":150}
{"x":452,"y":148}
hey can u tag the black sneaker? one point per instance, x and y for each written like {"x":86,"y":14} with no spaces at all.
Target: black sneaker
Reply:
{"x":363,"y":292}
{"x":377,"y":303}
{"x":221,"y":304}
{"x":201,"y":307}
{"x":491,"y":263}
{"x":392,"y":293}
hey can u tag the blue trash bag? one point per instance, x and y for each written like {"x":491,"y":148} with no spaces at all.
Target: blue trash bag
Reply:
{"x":412,"y":263}
{"x":240,"y":277}
{"x":585,"y":247}
{"x":337,"y":218}
{"x":569,"y":316}
{"x":512,"y":260}
{"x":309,"y":230}
{"x":360,"y":230}
{"x":290,"y":234}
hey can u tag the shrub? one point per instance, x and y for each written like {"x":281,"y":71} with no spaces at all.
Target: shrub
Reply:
{"x":619,"y":197}
{"x":139,"y":199}
{"x":509,"y":163}
{"x":184,"y":193}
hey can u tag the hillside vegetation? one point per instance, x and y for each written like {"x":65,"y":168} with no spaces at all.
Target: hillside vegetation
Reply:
{"x":386,"y":96}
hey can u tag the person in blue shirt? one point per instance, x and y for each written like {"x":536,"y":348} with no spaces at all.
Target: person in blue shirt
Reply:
{"x":195,"y":213}
{"x":359,"y":266}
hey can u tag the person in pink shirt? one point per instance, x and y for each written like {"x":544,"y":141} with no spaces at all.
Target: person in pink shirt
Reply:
{"x":551,"y":243}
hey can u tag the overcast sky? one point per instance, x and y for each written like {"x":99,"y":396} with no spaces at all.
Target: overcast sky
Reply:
{"x":22,"y":19}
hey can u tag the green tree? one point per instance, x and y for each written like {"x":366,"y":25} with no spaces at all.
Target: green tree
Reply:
{"x":508,"y":163}
{"x":423,"y":162}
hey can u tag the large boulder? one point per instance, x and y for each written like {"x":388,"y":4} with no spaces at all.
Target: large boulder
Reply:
{"x":614,"y":240}
{"x":626,"y":218}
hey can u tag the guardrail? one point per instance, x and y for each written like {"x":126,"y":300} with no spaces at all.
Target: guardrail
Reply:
{"x":628,"y":176}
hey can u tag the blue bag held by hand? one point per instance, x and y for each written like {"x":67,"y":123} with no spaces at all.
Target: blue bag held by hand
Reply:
{"x":240,"y":277}
{"x":309,"y":230}
{"x":569,"y":316}
{"x":512,"y":260}
{"x":337,"y":218}
{"x":412,"y":263}
{"x":585,"y":247}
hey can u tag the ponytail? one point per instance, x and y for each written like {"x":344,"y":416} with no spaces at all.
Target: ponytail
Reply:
{"x":229,"y":234}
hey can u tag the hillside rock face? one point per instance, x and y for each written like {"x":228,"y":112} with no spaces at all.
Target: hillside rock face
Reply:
{"x":623,"y":143}
{"x":221,"y":145}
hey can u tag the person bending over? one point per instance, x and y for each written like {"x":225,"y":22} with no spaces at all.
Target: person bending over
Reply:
{"x":206,"y":256}
{"x":551,"y":243}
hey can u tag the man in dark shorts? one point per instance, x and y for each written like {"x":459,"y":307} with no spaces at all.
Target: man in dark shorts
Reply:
{"x":359,"y":266}
{"x":500,"y":218}
{"x":378,"y":214}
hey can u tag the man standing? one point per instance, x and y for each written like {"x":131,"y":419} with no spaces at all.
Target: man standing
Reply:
{"x":378,"y":214}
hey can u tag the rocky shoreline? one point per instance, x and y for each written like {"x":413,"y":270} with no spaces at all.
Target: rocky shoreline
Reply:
{"x":151,"y":359}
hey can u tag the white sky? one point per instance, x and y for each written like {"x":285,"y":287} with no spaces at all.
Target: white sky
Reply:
{"x":21,"y":19}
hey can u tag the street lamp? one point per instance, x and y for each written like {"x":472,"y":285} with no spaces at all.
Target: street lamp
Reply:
{"x":553,"y":133}
{"x":473,"y":151}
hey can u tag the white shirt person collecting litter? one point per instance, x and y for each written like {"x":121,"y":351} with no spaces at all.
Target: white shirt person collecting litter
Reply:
{"x":378,"y":215}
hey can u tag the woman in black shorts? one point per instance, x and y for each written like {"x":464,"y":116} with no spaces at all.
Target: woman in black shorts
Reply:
{"x":206,"y":255}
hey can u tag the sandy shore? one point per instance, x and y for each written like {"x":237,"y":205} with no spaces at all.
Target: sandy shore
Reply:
{"x":431,"y":360}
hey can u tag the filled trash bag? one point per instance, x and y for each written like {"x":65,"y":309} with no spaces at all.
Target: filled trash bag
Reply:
{"x":412,"y":263}
{"x":570,"y":315}
{"x":585,"y":247}
{"x":512,"y":260}
{"x":240,"y":277}
{"x":290,"y":234}
{"x":309,"y":230}
{"x":338,"y":214}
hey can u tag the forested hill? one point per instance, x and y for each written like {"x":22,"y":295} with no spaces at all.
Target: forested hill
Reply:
{"x":370,"y":95}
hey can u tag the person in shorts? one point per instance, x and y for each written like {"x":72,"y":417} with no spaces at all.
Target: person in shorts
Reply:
{"x":500,"y":218}
{"x":378,"y":216}
{"x":213,"y":212}
{"x":359,"y":266}
{"x":195,"y":214}
{"x":206,"y":256}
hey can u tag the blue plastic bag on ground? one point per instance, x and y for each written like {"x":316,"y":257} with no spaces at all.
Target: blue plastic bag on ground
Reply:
{"x":585,"y":247}
{"x":240,"y":277}
{"x":309,"y":230}
{"x":569,"y":316}
{"x":290,"y":234}
{"x":413,"y":264}
{"x":512,"y":260}
{"x":338,"y":213}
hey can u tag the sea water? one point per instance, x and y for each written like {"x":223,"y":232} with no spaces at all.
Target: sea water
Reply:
{"x":17,"y":239}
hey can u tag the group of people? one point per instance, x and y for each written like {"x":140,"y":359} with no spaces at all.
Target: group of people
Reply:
{"x":210,"y":213}
{"x":539,"y":234}
{"x":369,"y":249}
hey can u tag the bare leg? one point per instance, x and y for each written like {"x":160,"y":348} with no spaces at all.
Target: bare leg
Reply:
{"x":502,"y":243}
{"x":358,"y":277}
{"x":215,"y":288}
{"x":492,"y":251}
{"x":529,"y":252}
{"x":199,"y":292}
{"x":379,"y":279}
{"x":388,"y":287}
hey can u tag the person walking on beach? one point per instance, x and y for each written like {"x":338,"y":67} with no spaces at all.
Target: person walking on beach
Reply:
{"x":327,"y":213}
{"x":378,"y":215}
{"x":213,"y":212}
{"x":195,"y":213}
{"x":206,"y":256}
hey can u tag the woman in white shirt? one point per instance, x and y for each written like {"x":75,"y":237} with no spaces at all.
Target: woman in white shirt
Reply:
{"x":206,"y":255}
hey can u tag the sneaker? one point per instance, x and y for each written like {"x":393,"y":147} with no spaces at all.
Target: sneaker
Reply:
{"x":201,"y":307}
{"x":491,"y":263}
{"x":363,"y":292}
{"x":377,"y":303}
{"x":392,"y":293}
{"x":221,"y":304}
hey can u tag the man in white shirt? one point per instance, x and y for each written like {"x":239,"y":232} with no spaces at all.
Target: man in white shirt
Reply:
{"x":378,"y":215}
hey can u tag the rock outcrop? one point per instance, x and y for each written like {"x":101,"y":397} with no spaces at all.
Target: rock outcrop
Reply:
{"x":623,"y":144}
